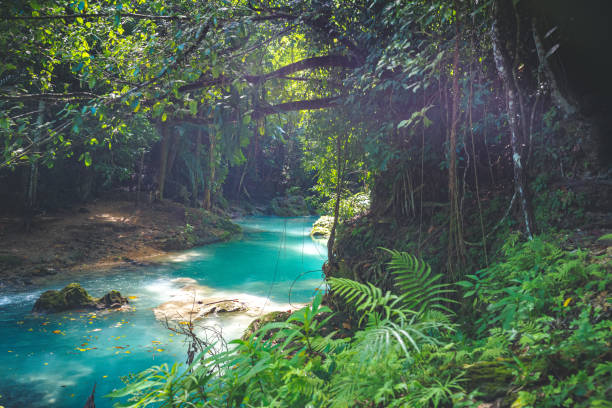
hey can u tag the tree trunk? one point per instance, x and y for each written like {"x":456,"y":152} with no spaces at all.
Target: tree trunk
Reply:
{"x":503,"y":69}
{"x":209,"y":189}
{"x":172,"y":150}
{"x":163,"y":160}
{"x":557,"y":97}
{"x":33,"y":179}
{"x":331,"y":259}
{"x":139,"y":183}
{"x":198,"y":168}
{"x":456,"y":245}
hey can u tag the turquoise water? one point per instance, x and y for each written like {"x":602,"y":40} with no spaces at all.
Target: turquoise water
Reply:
{"x":54,"y":360}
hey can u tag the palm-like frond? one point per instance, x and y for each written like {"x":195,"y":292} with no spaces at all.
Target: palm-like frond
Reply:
{"x":369,"y":299}
{"x":420,"y":289}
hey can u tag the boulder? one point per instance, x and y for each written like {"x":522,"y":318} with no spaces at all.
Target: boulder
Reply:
{"x":194,"y":309}
{"x":191,"y":301}
{"x":49,"y":302}
{"x":260,"y":322}
{"x":76,"y":297}
{"x":322,"y":227}
{"x":112,"y":300}
{"x":73,"y":296}
{"x":290,"y":206}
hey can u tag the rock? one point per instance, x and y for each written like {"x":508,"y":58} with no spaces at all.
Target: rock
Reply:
{"x":192,"y":301}
{"x":113,"y":300}
{"x":194,"y":309}
{"x":202,"y":228}
{"x":322,"y":227}
{"x":492,"y":378}
{"x":49,"y":302}
{"x":263,"y":320}
{"x":224,"y":306}
{"x":73,"y":296}
{"x":290,"y":206}
{"x":76,"y":297}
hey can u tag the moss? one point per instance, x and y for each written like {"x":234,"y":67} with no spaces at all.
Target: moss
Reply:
{"x":492,"y":378}
{"x":291,"y":206}
{"x":202,"y":227}
{"x":73,"y":296}
{"x":263,"y":320}
{"x":49,"y":302}
{"x":112,"y":299}
{"x":77,"y":297}
{"x":322,"y":227}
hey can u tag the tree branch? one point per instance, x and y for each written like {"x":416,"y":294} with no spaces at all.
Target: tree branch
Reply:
{"x":308,"y":63}
{"x":50,"y":96}
{"x":96,"y":15}
{"x":326,"y":61}
{"x":261,"y":111}
{"x":309,"y":104}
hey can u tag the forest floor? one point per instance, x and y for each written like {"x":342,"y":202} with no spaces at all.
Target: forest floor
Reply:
{"x":99,"y":235}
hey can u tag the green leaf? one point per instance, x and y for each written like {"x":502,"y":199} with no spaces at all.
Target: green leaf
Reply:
{"x":193,"y":107}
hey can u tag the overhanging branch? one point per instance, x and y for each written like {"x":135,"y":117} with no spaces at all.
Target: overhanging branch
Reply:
{"x":50,"y":96}
{"x":97,"y":15}
{"x":326,"y":61}
{"x":309,"y":104}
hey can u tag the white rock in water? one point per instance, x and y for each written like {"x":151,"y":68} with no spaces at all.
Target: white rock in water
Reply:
{"x":192,"y":301}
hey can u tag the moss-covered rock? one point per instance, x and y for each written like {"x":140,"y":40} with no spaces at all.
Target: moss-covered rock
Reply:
{"x":263,"y":320}
{"x":290,"y":206}
{"x":201,"y":228}
{"x":49,"y":302}
{"x":492,"y":378}
{"x":73,"y":296}
{"x":76,"y":297}
{"x":113,"y":299}
{"x":322,"y":227}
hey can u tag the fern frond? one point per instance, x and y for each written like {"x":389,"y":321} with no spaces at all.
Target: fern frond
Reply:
{"x":363,"y":296}
{"x":420,"y":289}
{"x":328,"y":344}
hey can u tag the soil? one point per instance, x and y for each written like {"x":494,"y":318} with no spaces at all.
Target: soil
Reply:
{"x":99,"y":235}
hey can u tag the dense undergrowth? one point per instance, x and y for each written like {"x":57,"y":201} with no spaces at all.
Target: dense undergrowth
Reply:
{"x":532,"y":330}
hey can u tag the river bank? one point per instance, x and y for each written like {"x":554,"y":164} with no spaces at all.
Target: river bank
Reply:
{"x":103,"y":234}
{"x":53,"y":360}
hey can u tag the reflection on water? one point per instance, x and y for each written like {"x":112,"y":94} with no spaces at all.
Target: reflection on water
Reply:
{"x":53,"y":361}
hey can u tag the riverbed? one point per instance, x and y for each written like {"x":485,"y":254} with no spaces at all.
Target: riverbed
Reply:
{"x":54,"y":360}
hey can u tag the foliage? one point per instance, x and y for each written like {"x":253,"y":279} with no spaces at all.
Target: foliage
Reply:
{"x":350,"y":206}
{"x":293,"y":363}
{"x":548,"y":310}
{"x":542,"y":340}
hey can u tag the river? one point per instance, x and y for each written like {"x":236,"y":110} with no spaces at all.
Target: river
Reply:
{"x":54,"y":360}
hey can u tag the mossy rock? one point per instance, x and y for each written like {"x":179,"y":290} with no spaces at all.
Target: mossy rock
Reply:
{"x":49,"y":302}
{"x":322,"y":227}
{"x":202,"y":228}
{"x":492,"y":378}
{"x":291,"y":206}
{"x":263,"y":320}
{"x":76,"y":297}
{"x":73,"y":296}
{"x":113,"y":299}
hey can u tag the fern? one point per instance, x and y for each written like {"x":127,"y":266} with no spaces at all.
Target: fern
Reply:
{"x":368,"y":298}
{"x":420,"y":288}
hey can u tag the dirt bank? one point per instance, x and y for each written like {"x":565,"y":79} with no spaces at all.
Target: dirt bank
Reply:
{"x":102,"y":235}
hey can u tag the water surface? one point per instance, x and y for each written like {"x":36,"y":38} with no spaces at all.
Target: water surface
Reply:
{"x":54,"y":360}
